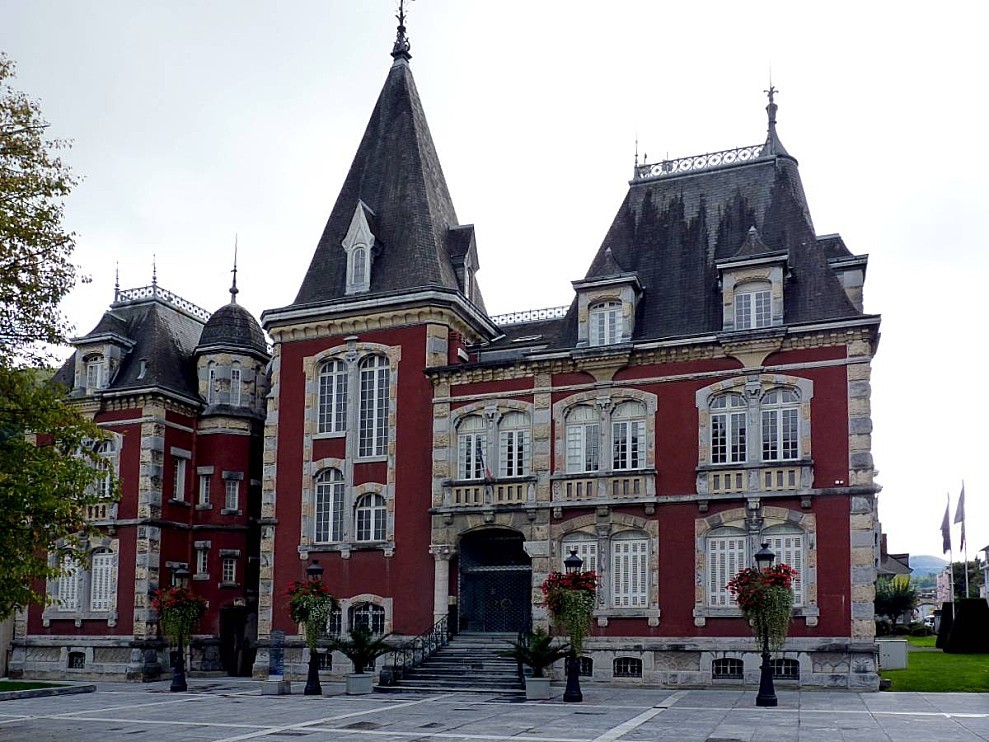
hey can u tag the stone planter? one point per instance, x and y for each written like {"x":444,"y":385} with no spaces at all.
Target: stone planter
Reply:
{"x":537,"y":689}
{"x":360,"y":684}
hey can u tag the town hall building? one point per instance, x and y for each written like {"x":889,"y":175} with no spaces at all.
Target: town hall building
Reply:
{"x":707,"y":390}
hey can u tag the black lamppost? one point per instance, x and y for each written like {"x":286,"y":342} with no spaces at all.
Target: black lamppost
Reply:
{"x":180,"y":578}
{"x":767,"y":691}
{"x":573,"y":563}
{"x":314,"y":573}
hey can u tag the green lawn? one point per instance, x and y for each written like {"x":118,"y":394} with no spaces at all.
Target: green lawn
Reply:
{"x":921,"y":641}
{"x":937,"y":672}
{"x":6,"y":685}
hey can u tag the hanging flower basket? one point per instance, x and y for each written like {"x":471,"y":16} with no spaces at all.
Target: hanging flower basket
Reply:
{"x":766,"y":599}
{"x":570,"y":598}
{"x":310,"y":605}
{"x":179,"y":610}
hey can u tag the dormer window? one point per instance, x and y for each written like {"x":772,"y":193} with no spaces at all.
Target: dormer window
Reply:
{"x":753,"y":306}
{"x":358,"y":261}
{"x":95,"y":372}
{"x":359,"y":244}
{"x":605,"y":323}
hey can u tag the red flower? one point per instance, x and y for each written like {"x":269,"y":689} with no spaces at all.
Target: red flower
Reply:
{"x":747,"y":586}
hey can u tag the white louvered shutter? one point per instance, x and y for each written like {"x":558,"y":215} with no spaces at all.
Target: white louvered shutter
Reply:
{"x":102,"y":580}
{"x":629,"y":566}
{"x":789,"y":549}
{"x":725,"y":557}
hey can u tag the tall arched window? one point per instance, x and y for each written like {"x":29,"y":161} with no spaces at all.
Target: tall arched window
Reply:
{"x":728,"y":426}
{"x":727,"y":553}
{"x":68,"y":585}
{"x":630,"y":570}
{"x":628,"y":436}
{"x":583,"y":439}
{"x":332,"y":397}
{"x":471,"y":445}
{"x":604,"y":320}
{"x":235,"y":384}
{"x":780,"y":425}
{"x":328,"y":515}
{"x":359,"y":258}
{"x":788,"y":544}
{"x":107,"y":465}
{"x":513,"y":445}
{"x":587,"y":549}
{"x":103,"y":576}
{"x":373,"y":428}
{"x":370,"y":516}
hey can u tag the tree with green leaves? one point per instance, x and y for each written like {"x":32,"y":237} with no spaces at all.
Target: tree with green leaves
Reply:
{"x":49,"y":461}
{"x":894,"y":597}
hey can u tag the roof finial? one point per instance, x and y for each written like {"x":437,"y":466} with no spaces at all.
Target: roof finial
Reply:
{"x":154,"y":270}
{"x":233,"y":288}
{"x":116,"y":282}
{"x":400,"y":50}
{"x":636,"y":149}
{"x":773,"y":146}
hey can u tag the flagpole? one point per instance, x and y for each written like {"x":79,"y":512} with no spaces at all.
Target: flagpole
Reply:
{"x":964,"y":542}
{"x":951,"y":561}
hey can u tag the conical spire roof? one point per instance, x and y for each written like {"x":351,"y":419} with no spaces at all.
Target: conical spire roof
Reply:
{"x":397,"y":174}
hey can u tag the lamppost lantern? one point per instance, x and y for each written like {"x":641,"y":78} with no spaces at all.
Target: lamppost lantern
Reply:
{"x":180,"y":576}
{"x":765,"y":557}
{"x":573,"y":563}
{"x":314,"y":571}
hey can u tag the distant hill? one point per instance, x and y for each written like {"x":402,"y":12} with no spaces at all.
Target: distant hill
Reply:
{"x":925,"y":564}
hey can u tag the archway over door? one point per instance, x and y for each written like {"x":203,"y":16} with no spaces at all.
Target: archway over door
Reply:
{"x":495,"y":582}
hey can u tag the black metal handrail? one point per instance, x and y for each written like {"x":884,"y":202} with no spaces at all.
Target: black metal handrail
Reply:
{"x":412,"y":653}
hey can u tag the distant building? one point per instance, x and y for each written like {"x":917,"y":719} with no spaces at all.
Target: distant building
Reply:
{"x":707,"y":390}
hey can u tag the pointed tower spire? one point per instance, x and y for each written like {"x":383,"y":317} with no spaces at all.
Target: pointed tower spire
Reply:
{"x":773,"y":146}
{"x":400,"y":50}
{"x":233,"y":287}
{"x":116,"y":282}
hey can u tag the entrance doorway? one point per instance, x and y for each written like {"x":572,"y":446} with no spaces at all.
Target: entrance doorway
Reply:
{"x":495,"y":582}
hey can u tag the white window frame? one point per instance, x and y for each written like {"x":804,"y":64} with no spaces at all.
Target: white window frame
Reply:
{"x":583,"y":439}
{"x":202,"y":561}
{"x":780,"y":425}
{"x":235,"y":385}
{"x":729,"y":429}
{"x":329,"y":491}
{"x":69,"y":582}
{"x":102,"y":580}
{"x":789,"y":544}
{"x":333,"y":380}
{"x":370,"y":517}
{"x":753,"y":306}
{"x":86,"y":587}
{"x":358,"y":257}
{"x":96,"y":372}
{"x":204,"y":489}
{"x":630,"y":570}
{"x":374,"y":374}
{"x":514,"y":445}
{"x":368,"y":614}
{"x":179,"y":474}
{"x":228,"y":569}
{"x":604,"y":321}
{"x":472,"y":442}
{"x":231,"y":494}
{"x":727,"y":553}
{"x":628,"y":436}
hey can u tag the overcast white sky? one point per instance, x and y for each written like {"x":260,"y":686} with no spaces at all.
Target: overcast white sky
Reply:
{"x":194,"y":121}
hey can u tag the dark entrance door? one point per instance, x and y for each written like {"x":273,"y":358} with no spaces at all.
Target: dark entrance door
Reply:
{"x":237,"y":648}
{"x":495,"y":582}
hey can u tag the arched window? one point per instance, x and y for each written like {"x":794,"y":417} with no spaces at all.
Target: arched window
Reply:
{"x":788,"y":543}
{"x":604,"y":321}
{"x":373,"y":428}
{"x":780,"y":425}
{"x":627,"y":667}
{"x":102,"y":584}
{"x":753,"y":306}
{"x":368,"y":615}
{"x":728,"y":424}
{"x":371,"y":513}
{"x":68,"y":585}
{"x":334,"y":623}
{"x":630,"y":570}
{"x":628,"y":436}
{"x":359,"y":258}
{"x":583,"y":439}
{"x":107,"y":465}
{"x":727,"y":668}
{"x":587,"y":549}
{"x":471,"y":445}
{"x":328,"y":511}
{"x":727,"y":553}
{"x":513,"y":445}
{"x":332,"y":397}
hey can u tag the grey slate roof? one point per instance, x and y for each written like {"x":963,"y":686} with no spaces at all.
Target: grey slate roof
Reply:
{"x":397,"y":173}
{"x":233,"y":326}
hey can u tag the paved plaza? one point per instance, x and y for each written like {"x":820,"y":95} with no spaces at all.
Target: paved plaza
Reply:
{"x":228,"y":709}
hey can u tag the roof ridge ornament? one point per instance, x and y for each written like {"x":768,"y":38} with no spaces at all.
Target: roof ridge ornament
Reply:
{"x":400,"y":50}
{"x":773,"y":146}
{"x":233,"y":288}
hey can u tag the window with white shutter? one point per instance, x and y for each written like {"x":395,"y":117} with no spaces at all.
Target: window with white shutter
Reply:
{"x":103,"y":577}
{"x":587,"y":549}
{"x":788,"y":545}
{"x":629,"y":568}
{"x":68,"y":585}
{"x":726,"y":555}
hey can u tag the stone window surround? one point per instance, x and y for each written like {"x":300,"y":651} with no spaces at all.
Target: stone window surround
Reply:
{"x":184,"y":455}
{"x":229,"y":554}
{"x":201,"y":546}
{"x":352,"y":493}
{"x":754,"y":518}
{"x":83,"y":613}
{"x":624,"y":288}
{"x":604,"y":532}
{"x":605,"y":401}
{"x":347,"y":603}
{"x":232,"y":476}
{"x":492,"y":412}
{"x":744,"y":272}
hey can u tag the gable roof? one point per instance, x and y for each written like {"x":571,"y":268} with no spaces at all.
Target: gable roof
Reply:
{"x":397,"y":174}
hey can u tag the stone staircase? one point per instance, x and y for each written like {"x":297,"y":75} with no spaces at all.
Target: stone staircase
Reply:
{"x":468,"y":664}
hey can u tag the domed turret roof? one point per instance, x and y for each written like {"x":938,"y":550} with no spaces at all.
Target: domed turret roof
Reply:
{"x":233,"y":326}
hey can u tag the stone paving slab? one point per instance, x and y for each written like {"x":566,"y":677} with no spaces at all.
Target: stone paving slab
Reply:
{"x":233,"y":710}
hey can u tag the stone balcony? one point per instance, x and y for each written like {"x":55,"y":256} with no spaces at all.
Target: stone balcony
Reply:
{"x":751,"y":478}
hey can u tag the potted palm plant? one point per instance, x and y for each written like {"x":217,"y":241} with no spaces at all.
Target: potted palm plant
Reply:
{"x":536,"y":650}
{"x":362,"y":649}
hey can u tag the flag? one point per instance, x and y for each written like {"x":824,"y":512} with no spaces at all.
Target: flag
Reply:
{"x":946,"y":530}
{"x":960,"y":514}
